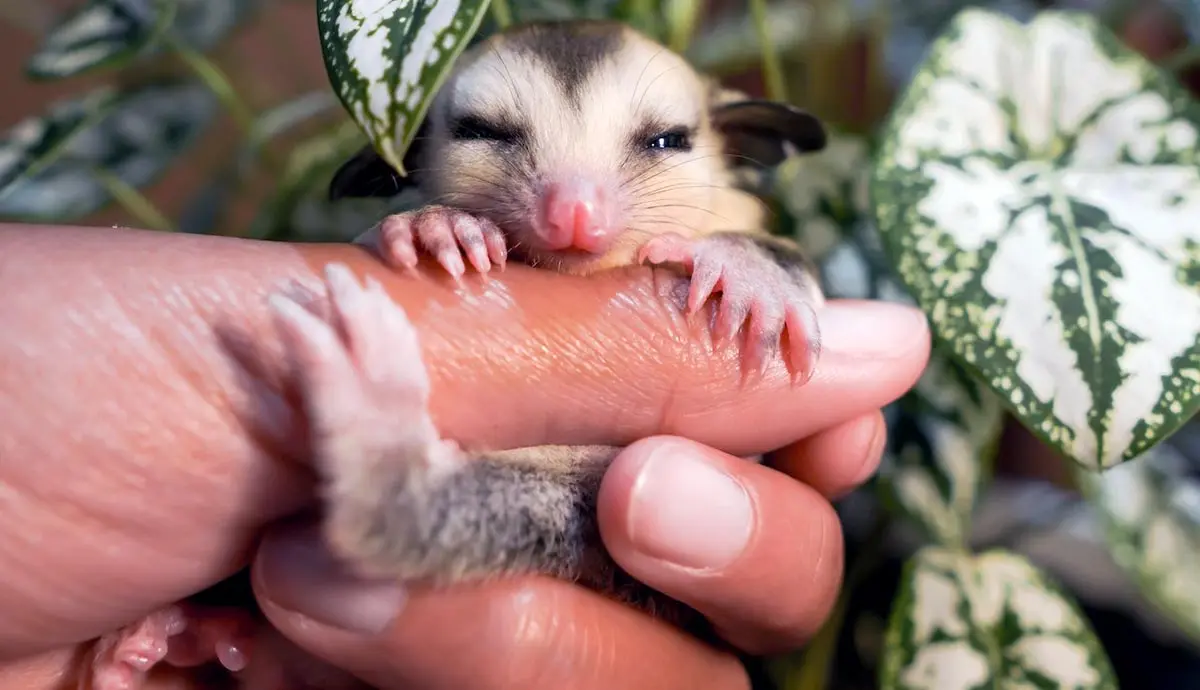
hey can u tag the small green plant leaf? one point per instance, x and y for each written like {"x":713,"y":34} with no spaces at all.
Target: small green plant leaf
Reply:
{"x":107,"y":33}
{"x":942,"y":433}
{"x":942,"y":438}
{"x":34,"y":143}
{"x":992,"y":620}
{"x":131,"y":136}
{"x":98,"y":34}
{"x":1150,"y":509}
{"x":1036,"y":189}
{"x":386,"y":60}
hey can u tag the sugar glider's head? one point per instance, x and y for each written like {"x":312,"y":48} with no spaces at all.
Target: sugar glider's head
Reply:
{"x":581,"y":139}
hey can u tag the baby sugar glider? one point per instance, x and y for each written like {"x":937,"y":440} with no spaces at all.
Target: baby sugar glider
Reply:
{"x":583,"y":145}
{"x":575,"y":146}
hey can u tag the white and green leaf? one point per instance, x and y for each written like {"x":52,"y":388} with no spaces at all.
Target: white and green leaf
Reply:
{"x":993,"y":620}
{"x":106,"y":33}
{"x":36,"y":142}
{"x":128,"y":137}
{"x":386,"y":60}
{"x":1038,"y":188}
{"x":941,"y":434}
{"x":1150,"y":509}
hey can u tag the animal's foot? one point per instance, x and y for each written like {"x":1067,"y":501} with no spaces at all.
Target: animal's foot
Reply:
{"x":402,"y":502}
{"x":775,"y":293}
{"x":122,"y":659}
{"x":445,"y":233}
{"x":366,"y":391}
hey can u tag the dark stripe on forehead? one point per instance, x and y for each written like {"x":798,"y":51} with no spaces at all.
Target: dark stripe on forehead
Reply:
{"x":571,"y":51}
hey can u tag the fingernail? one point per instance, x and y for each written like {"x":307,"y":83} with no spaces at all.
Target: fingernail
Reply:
{"x":686,"y":510}
{"x":871,"y":329}
{"x":301,"y":575}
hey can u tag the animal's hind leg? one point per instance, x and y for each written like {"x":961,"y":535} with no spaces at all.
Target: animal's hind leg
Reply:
{"x":403,"y":502}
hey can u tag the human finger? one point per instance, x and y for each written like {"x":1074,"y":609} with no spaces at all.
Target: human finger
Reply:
{"x":529,"y":633}
{"x":837,"y":460}
{"x":758,"y":553}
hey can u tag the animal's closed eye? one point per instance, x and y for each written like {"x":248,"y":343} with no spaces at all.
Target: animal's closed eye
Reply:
{"x":473,"y":127}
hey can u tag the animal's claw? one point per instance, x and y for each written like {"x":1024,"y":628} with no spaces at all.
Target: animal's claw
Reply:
{"x":445,"y":233}
{"x":753,"y":286}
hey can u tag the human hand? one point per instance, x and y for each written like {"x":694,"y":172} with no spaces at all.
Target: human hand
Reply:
{"x":129,"y":434}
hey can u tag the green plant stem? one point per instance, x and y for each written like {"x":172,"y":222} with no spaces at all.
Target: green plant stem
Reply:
{"x":502,"y":13}
{"x":133,"y":201}
{"x":772,"y":69}
{"x":215,"y":80}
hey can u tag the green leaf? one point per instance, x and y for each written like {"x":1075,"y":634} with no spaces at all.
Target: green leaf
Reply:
{"x":99,"y":34}
{"x":34,"y":143}
{"x":992,"y":620}
{"x":942,"y":433}
{"x":107,"y":33}
{"x":942,"y":438}
{"x":386,"y":60}
{"x":1150,"y":509}
{"x":134,"y":136}
{"x":1036,"y":189}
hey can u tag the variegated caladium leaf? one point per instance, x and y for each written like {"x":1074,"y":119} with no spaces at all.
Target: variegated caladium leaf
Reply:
{"x":962,"y":621}
{"x":1036,"y":188}
{"x":1150,"y":509}
{"x":107,"y":33}
{"x":941,"y":434}
{"x":136,"y":136}
{"x":35,"y":142}
{"x":387,"y":58}
{"x":99,"y":34}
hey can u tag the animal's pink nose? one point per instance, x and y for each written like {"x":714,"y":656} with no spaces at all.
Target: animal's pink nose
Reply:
{"x":576,"y":216}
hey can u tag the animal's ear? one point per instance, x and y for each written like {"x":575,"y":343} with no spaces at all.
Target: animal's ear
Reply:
{"x":366,"y":174}
{"x":763,"y":131}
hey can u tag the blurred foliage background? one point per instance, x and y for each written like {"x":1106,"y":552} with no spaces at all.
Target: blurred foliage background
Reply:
{"x":260,"y":152}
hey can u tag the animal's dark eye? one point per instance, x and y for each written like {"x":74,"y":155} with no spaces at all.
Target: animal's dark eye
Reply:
{"x":672,"y":139}
{"x":473,"y":127}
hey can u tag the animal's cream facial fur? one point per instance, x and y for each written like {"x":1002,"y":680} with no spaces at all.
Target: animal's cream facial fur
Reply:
{"x":596,"y":120}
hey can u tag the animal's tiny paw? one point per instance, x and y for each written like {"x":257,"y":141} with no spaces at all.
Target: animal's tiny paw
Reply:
{"x":363,"y":366}
{"x":366,"y":391}
{"x":178,"y":635}
{"x":445,"y":233}
{"x":122,"y":659}
{"x":225,"y":634}
{"x":753,"y":285}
